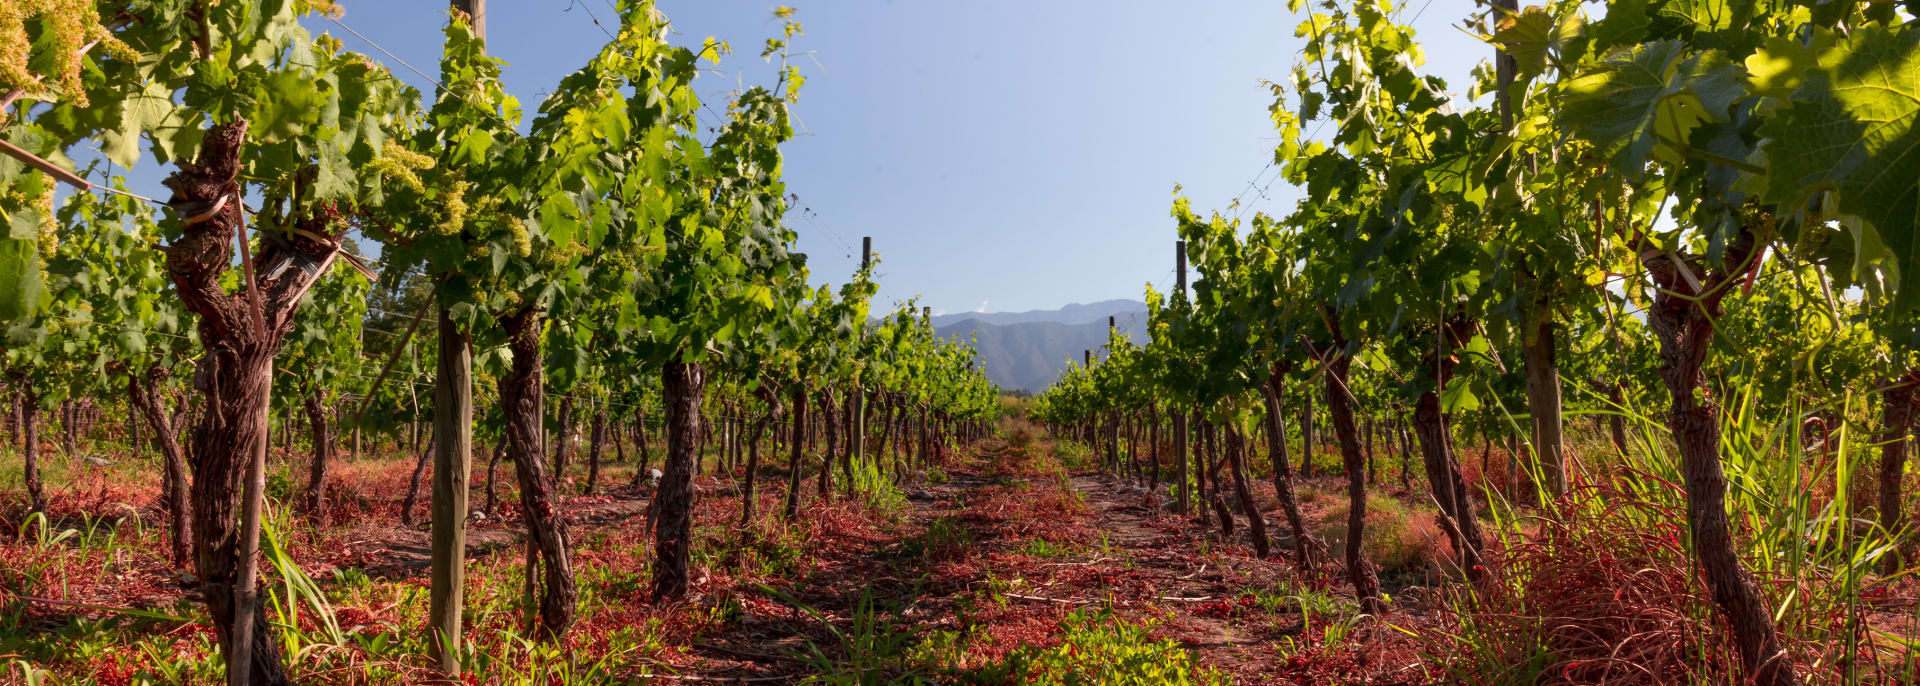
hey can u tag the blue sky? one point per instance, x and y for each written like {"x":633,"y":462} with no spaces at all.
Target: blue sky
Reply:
{"x":1005,"y":155}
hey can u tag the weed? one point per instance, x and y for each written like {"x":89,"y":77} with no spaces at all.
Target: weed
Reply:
{"x":1396,"y":538}
{"x":944,"y":538}
{"x":1041,"y":548}
{"x":1099,"y":648}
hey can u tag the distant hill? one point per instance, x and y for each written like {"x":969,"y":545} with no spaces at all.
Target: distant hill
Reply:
{"x":1028,"y":350}
{"x":1075,"y":313}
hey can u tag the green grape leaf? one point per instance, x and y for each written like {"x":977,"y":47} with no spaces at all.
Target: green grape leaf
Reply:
{"x":1625,"y":23}
{"x":20,"y":286}
{"x":1458,"y":397}
{"x":1531,"y":36}
{"x":132,"y":342}
{"x":1650,"y":96}
{"x":1781,"y":66}
{"x":1851,"y":130}
{"x":140,"y":113}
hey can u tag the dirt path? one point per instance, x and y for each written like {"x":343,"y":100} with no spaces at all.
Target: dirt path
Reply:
{"x":1257,"y":620}
{"x":991,"y":557}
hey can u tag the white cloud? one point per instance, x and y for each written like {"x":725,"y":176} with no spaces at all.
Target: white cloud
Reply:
{"x":983,"y":306}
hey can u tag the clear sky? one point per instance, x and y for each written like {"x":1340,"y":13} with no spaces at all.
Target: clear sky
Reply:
{"x":1004,"y":154}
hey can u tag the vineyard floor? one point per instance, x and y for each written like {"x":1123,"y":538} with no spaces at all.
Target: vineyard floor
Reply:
{"x":966,"y":573}
{"x":1012,"y":560}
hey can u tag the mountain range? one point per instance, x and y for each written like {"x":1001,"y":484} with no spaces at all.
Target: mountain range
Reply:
{"x":1028,"y":350}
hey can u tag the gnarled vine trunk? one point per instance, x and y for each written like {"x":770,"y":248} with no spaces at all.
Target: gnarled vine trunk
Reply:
{"x":1617,"y":421}
{"x":240,"y":333}
{"x":795,"y":449}
{"x":767,"y":394}
{"x":1236,"y":456}
{"x":1682,"y":317}
{"x":564,"y":450}
{"x":1896,"y":428}
{"x":145,"y":391}
{"x":673,"y":538}
{"x":1283,"y":473}
{"x":1306,"y":434}
{"x":316,"y":495}
{"x":521,"y":395}
{"x":413,"y":483}
{"x":1182,"y":498}
{"x":1366,"y":586}
{"x":595,"y":438}
{"x":493,"y":467}
{"x":30,"y":450}
{"x":1449,"y":488}
{"x":830,"y":430}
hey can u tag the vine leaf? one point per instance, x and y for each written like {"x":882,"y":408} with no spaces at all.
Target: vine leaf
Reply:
{"x":1532,"y":35}
{"x":1851,"y":130}
{"x":1782,"y":65}
{"x":19,"y":277}
{"x":1648,"y":96}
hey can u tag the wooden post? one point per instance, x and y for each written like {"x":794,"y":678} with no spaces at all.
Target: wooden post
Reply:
{"x":452,"y":462}
{"x":1179,"y":417}
{"x":246,"y":587}
{"x":856,"y":397}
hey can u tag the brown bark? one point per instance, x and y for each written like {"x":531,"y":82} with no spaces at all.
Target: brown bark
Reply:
{"x":673,"y":538}
{"x":1684,"y":327}
{"x":30,"y":450}
{"x":564,"y":450}
{"x":640,"y":425}
{"x":795,"y":448}
{"x":849,"y":435}
{"x":316,"y":496}
{"x":522,"y":393}
{"x":1373,"y":477}
{"x":241,"y":334}
{"x":619,"y":442}
{"x":1448,"y":486}
{"x":595,"y":438}
{"x":771,"y":396}
{"x":1303,"y":545}
{"x":829,"y":428}
{"x":1544,"y":400}
{"x":69,"y":429}
{"x":1214,"y":461}
{"x":493,"y":464}
{"x":1306,"y":435}
{"x":413,"y":484}
{"x":1443,"y":466}
{"x":1366,"y":587}
{"x":1236,"y":455}
{"x":925,"y":441}
{"x":1153,"y":448}
{"x":1133,"y":449}
{"x":1896,"y":428}
{"x":887,"y":413}
{"x":166,"y":435}
{"x":1182,"y":492}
